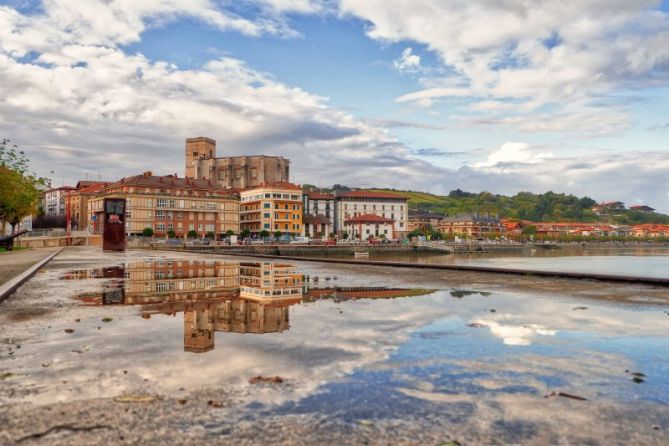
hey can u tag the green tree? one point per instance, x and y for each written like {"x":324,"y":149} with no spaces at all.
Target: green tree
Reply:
{"x":18,"y":197}
{"x":211,"y":235}
{"x":345,"y":235}
{"x":147,"y":232}
{"x":229,"y":232}
{"x":245,"y":233}
{"x":264,"y":233}
{"x":20,"y":188}
{"x":192,"y":234}
{"x":171,"y":233}
{"x":277,"y":234}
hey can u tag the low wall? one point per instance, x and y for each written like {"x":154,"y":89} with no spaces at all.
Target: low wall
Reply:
{"x":54,"y":242}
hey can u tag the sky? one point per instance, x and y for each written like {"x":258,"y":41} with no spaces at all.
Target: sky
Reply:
{"x":431,"y":95}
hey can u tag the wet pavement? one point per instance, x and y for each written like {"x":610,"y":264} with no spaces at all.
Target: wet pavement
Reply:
{"x":179,"y":348}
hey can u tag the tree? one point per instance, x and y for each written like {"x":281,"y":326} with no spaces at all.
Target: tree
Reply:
{"x":229,"y":232}
{"x":147,"y":232}
{"x":345,"y":235}
{"x":20,"y":189}
{"x":192,"y":234}
{"x":277,"y":234}
{"x":171,"y":233}
{"x":264,"y":233}
{"x":529,"y":230}
{"x":245,"y":233}
{"x":211,"y":235}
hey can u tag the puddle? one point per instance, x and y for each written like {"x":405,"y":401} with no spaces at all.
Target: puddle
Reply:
{"x":347,"y":345}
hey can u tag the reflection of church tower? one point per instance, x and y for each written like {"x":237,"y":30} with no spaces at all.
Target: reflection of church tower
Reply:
{"x":198,"y":332}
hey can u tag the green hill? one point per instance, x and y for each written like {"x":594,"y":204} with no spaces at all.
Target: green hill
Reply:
{"x":548,"y":206}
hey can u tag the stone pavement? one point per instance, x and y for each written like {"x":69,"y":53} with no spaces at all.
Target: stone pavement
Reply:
{"x":13,"y":263}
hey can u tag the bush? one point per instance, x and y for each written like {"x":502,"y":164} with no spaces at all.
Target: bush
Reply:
{"x":211,"y":235}
{"x":147,"y":232}
{"x":192,"y":234}
{"x":171,"y":233}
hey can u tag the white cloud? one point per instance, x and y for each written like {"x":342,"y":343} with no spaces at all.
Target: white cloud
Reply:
{"x":407,"y":61}
{"x":549,"y":53}
{"x":512,"y":153}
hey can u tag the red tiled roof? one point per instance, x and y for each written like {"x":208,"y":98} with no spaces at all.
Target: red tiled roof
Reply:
{"x":169,"y":182}
{"x":370,"y":194}
{"x":368,"y":218}
{"x":92,"y":188}
{"x":277,"y":186}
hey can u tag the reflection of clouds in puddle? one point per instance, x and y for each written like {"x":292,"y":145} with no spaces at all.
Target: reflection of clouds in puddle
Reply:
{"x":515,"y":334}
{"x":327,"y":340}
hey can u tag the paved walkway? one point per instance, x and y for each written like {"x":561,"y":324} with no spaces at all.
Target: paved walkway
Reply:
{"x":13,"y":263}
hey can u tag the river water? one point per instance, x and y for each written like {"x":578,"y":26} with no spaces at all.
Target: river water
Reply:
{"x":461,"y":359}
{"x":643,"y":262}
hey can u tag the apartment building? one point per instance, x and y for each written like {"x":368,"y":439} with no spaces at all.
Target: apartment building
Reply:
{"x":271,"y":208}
{"x":169,"y":203}
{"x":54,"y":201}
{"x":233,"y":172}
{"x":76,"y":202}
{"x":319,"y":211}
{"x":349,"y":205}
{"x":471,"y":225}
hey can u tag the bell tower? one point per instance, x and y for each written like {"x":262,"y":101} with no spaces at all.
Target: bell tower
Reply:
{"x":197,"y":149}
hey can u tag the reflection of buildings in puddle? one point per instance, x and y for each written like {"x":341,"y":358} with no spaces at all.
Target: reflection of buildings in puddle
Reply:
{"x":245,"y":297}
{"x":214,"y":296}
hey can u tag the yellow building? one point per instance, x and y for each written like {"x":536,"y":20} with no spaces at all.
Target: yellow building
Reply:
{"x":165,"y":203}
{"x":271,"y":209}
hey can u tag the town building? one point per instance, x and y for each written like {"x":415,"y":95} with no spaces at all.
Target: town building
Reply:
{"x":233,"y":172}
{"x":319,"y":210}
{"x":369,"y":226}
{"x":421,"y":219}
{"x":169,"y":203}
{"x":609,"y":208}
{"x":393,"y":207}
{"x":54,"y":201}
{"x":471,"y":225}
{"x":642,"y":208}
{"x":272,"y":208}
{"x":76,"y":202}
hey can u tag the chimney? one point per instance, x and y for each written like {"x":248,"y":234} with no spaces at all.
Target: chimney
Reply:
{"x":148,"y":173}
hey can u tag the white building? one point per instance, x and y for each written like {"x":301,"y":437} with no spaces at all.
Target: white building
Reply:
{"x":54,"y":201}
{"x":386,"y":205}
{"x":366,"y":226}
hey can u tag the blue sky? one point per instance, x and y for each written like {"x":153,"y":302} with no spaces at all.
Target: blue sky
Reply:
{"x":425,"y":95}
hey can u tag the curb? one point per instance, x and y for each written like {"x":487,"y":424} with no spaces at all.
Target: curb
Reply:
{"x":9,"y":287}
{"x":640,"y":280}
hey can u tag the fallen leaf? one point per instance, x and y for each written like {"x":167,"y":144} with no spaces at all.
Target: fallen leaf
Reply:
{"x":107,"y":319}
{"x":69,"y":330}
{"x":215,"y":403}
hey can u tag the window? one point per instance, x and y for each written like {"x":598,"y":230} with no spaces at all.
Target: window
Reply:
{"x":267,"y":205}
{"x":267,"y":215}
{"x":170,"y":226}
{"x":160,"y":215}
{"x":266,"y":226}
{"x":199,"y":227}
{"x":160,"y":227}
